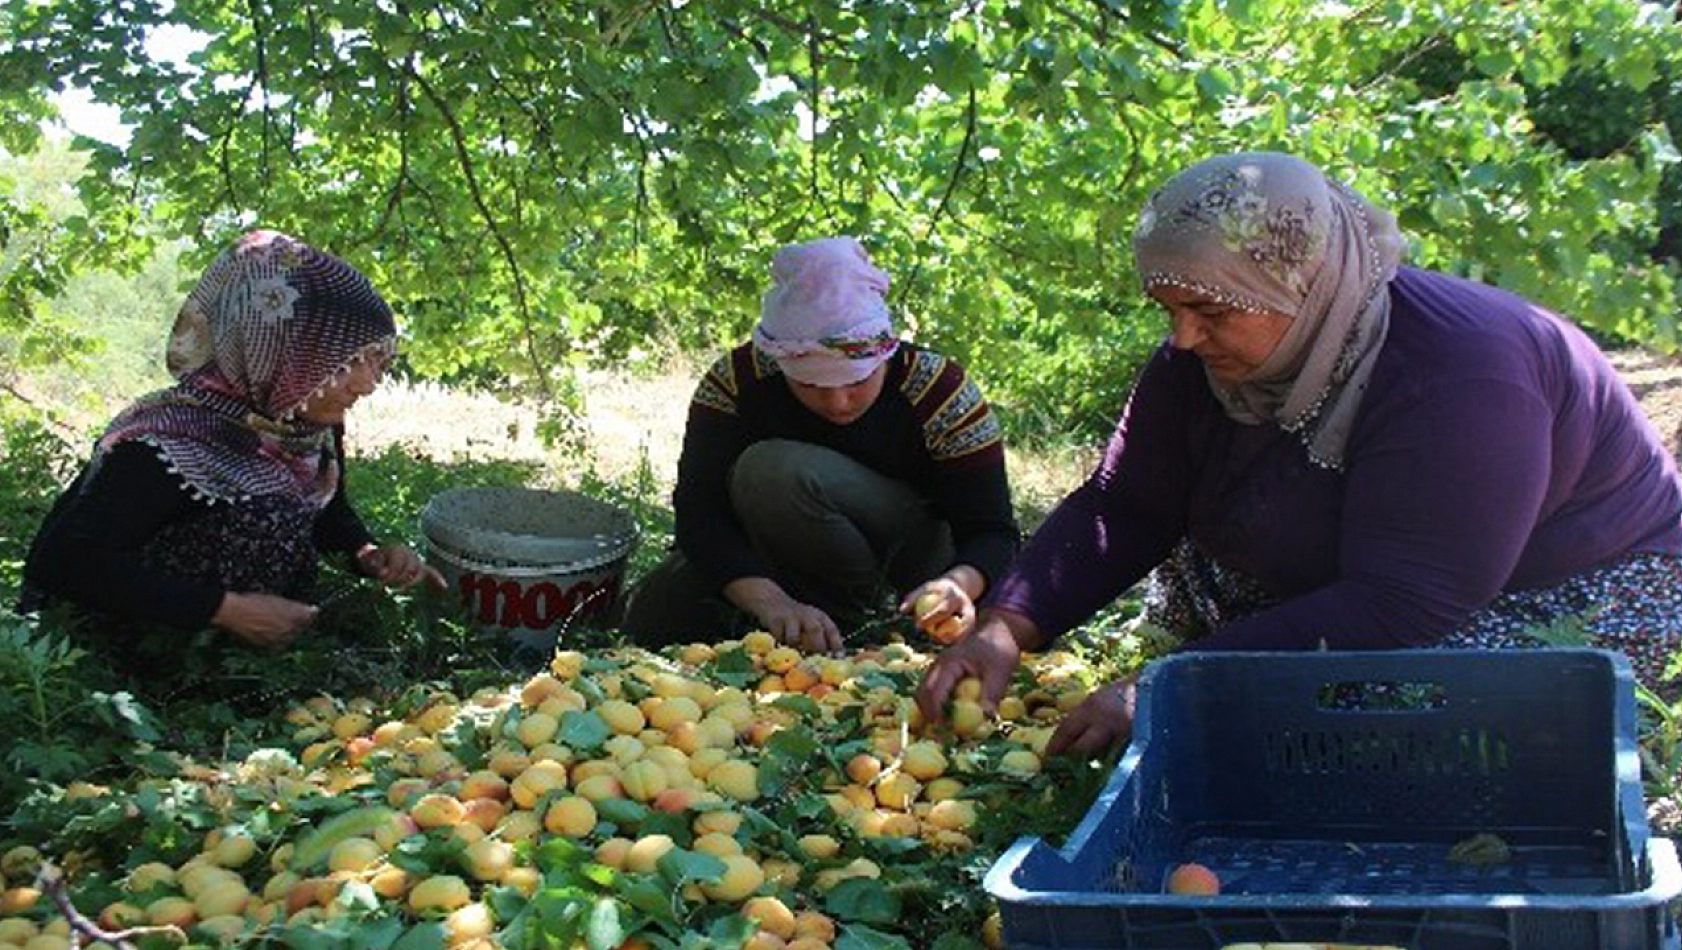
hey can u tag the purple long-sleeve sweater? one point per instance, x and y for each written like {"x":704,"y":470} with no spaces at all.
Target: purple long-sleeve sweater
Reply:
{"x":1496,"y":449}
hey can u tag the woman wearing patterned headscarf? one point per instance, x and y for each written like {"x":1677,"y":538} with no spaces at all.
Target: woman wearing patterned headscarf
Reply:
{"x":1331,"y":450}
{"x":828,"y":465}
{"x":208,"y":503}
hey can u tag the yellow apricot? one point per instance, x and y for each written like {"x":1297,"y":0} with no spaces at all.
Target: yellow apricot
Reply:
{"x":234,"y":849}
{"x":924,"y":761}
{"x":467,"y":923}
{"x":742,"y":876}
{"x":1020,"y":762}
{"x":864,"y":768}
{"x":721,"y":822}
{"x":717,"y":844}
{"x":613,"y":852}
{"x":536,"y":728}
{"x":538,"y":779}
{"x":488,"y":859}
{"x":444,"y":892}
{"x":773,"y":916}
{"x":622,"y":717}
{"x":355,"y":854}
{"x":646,"y":852}
{"x":820,"y":846}
{"x":573,"y":816}
{"x":735,"y":778}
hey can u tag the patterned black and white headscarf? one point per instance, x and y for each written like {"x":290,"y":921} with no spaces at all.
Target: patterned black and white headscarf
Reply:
{"x":272,"y":322}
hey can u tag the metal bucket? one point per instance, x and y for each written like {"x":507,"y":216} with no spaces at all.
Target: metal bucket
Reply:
{"x":527,"y":563}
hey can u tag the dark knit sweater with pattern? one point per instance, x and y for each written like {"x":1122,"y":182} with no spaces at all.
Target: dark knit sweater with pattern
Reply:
{"x":930,"y":429}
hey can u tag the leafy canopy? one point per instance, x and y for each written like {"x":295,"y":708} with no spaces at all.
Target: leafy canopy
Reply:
{"x":541,"y":185}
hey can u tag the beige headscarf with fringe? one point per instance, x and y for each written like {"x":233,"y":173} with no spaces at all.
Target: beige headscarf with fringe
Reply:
{"x":1265,"y":231}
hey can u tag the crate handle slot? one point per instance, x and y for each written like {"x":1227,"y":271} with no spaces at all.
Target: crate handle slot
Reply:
{"x":1370,"y":696}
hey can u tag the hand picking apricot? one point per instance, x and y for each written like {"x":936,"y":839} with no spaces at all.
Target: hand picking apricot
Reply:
{"x":1195,"y":879}
{"x":927,"y":603}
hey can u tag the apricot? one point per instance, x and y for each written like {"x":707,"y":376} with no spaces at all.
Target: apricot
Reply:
{"x":742,"y":876}
{"x":721,"y":822}
{"x":222,"y":899}
{"x":172,"y":912}
{"x":613,"y":852}
{"x":354,"y":854}
{"x":567,"y":664}
{"x":1195,"y":879}
{"x":573,"y":816}
{"x":601,"y":787}
{"x":646,"y":852}
{"x":233,"y":850}
{"x":537,"y":779}
{"x":924,"y":761}
{"x":488,"y":859}
{"x":644,"y":781}
{"x":438,"y":810}
{"x":468,"y":923}
{"x":735,"y":778}
{"x":536,"y":729}
{"x":622,"y":717}
{"x":863,"y":768}
{"x":820,"y":846}
{"x":444,"y":892}
{"x":773,"y":916}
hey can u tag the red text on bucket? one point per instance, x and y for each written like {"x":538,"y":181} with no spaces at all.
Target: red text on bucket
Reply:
{"x":535,"y":606}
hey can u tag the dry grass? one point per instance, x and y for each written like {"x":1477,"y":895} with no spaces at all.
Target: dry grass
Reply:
{"x":630,"y":422}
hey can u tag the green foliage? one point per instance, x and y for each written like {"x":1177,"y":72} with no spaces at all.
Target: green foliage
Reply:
{"x":540,"y":188}
{"x":35,"y":463}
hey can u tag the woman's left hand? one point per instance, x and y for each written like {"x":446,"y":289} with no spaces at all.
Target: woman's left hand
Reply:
{"x":943,"y":608}
{"x":1102,"y":722}
{"x":397,"y":566}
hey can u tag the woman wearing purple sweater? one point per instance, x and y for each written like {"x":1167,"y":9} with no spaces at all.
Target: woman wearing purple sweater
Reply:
{"x":1334,"y":451}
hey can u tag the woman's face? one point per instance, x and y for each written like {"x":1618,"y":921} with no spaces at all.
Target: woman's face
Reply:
{"x":1230,"y":341}
{"x":328,"y":407}
{"x":841,"y":405}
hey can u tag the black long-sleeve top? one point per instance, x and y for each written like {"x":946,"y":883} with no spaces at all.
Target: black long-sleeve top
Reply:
{"x":931,"y":428}
{"x":92,"y":548}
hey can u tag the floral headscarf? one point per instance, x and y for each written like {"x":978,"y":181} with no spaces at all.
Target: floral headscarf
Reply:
{"x":1264,"y":231}
{"x":272,"y":322}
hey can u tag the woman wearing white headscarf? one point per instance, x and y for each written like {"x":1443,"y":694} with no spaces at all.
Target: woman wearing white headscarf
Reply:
{"x":1332,"y":450}
{"x":828,"y":465}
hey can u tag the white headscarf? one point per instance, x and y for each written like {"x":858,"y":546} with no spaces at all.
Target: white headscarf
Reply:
{"x":824,"y":318}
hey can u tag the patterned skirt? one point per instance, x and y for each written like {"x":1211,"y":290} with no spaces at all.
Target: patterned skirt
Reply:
{"x":1632,"y":605}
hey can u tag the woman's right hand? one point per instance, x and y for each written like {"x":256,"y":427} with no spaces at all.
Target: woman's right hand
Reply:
{"x":799,"y":625}
{"x":263,"y":620}
{"x":990,"y":653}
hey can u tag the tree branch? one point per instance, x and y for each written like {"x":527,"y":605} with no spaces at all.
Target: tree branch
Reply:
{"x":958,"y":169}
{"x":52,"y":884}
{"x":465,"y":159}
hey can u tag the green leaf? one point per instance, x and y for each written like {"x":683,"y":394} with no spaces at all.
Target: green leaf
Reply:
{"x":376,"y":933}
{"x":583,"y":731}
{"x":863,"y":899}
{"x":679,"y":866}
{"x":312,"y":849}
{"x":605,"y":930}
{"x":860,"y":937}
{"x":426,"y":935}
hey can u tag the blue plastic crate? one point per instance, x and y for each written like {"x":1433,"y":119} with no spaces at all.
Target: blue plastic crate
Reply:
{"x":1329,"y":791}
